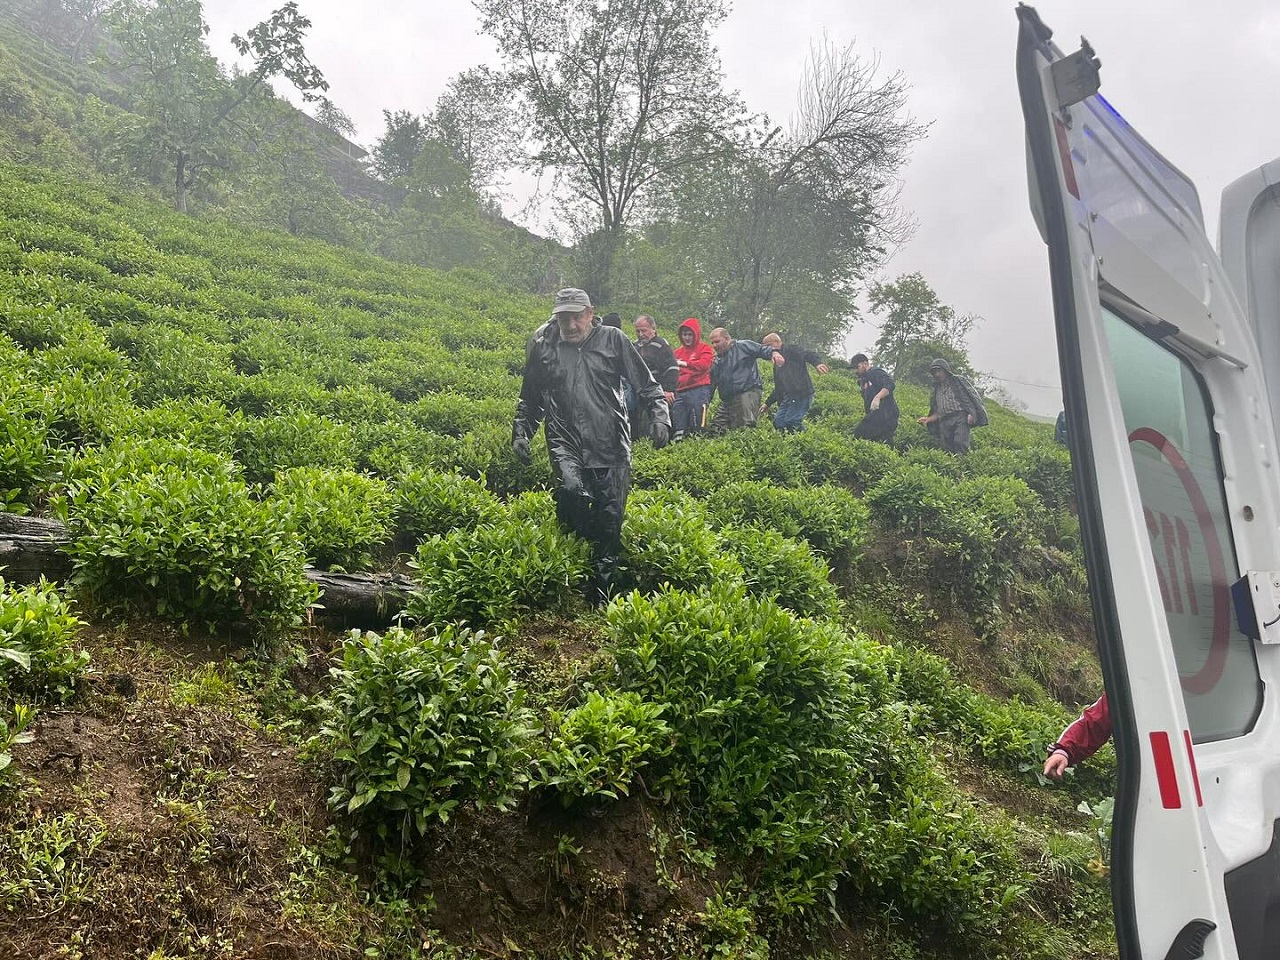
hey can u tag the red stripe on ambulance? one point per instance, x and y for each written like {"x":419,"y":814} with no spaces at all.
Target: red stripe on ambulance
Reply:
{"x":1166,"y":775}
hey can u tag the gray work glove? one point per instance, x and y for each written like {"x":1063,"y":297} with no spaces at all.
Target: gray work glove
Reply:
{"x":659,"y":433}
{"x":520,"y":447}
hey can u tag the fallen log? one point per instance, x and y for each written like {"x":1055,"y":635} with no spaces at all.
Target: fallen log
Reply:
{"x":32,"y":547}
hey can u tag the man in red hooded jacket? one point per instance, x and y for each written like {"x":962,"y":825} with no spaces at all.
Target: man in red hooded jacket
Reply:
{"x":1081,"y":740}
{"x":693,"y":388}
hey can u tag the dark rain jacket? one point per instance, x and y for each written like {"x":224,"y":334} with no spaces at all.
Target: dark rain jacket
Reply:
{"x":871,"y":383}
{"x":738,"y":370}
{"x":661,"y":361}
{"x":791,"y":381}
{"x":577,"y":389}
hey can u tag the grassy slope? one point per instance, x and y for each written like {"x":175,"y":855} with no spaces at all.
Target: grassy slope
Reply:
{"x":171,"y":785}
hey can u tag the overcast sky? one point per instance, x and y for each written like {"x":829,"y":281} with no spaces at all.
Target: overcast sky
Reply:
{"x":1197,"y":78}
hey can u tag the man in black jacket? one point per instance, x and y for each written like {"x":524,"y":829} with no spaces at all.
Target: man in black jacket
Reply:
{"x":661,"y":361}
{"x":573,"y":380}
{"x":792,"y":385}
{"x":736,"y":378}
{"x":880,"y":409}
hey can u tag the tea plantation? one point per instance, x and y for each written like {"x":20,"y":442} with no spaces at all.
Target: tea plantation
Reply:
{"x":809,"y":726}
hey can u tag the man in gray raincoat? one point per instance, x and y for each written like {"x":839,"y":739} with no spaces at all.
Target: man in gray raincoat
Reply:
{"x":954,"y":408}
{"x":573,"y":380}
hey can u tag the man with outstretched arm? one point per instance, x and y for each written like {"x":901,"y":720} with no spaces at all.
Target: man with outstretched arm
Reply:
{"x":573,"y":380}
{"x":736,"y":377}
{"x":792,"y":385}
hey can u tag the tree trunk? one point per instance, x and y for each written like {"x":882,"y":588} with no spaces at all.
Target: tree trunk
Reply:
{"x":596,"y":253}
{"x":31,"y":547}
{"x":180,"y":184}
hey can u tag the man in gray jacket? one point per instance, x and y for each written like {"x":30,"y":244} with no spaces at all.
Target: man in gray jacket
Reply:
{"x":573,"y":380}
{"x":735,"y":376}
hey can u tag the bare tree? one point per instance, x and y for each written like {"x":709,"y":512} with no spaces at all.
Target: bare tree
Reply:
{"x":621,"y":96}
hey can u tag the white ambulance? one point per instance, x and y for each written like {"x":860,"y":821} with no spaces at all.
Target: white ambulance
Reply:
{"x":1165,"y":350}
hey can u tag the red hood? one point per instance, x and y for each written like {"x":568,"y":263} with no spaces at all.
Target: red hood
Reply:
{"x":692,"y":324}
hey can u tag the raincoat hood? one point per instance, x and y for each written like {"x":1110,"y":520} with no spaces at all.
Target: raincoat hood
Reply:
{"x":693,"y":324}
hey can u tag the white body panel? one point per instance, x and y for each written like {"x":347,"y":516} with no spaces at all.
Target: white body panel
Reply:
{"x":1132,"y":238}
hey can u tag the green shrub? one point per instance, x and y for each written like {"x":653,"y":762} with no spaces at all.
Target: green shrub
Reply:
{"x":598,"y":748}
{"x":848,"y":461}
{"x":420,"y":722}
{"x":429,"y":502}
{"x":185,"y":545}
{"x":27,"y":459}
{"x":665,"y":539}
{"x":265,"y":445}
{"x":13,"y":733}
{"x":339,"y":515}
{"x":486,"y":452}
{"x":700,"y":466}
{"x":777,"y":738}
{"x":831,"y":519}
{"x":39,"y":656}
{"x":496,"y":570}
{"x":786,"y":570}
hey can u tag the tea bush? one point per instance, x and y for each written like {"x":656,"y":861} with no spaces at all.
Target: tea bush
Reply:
{"x":496,"y":570}
{"x":781,"y":568}
{"x":429,"y":502}
{"x":418,"y":723}
{"x":340,"y":516}
{"x":665,"y":539}
{"x":776,"y":731}
{"x":188,"y":546}
{"x":700,"y":466}
{"x":848,"y":461}
{"x":39,"y":652}
{"x":265,"y":445}
{"x":599,"y":747}
{"x":831,"y":519}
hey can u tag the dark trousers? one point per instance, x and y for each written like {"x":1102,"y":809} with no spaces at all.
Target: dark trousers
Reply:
{"x":590,"y":502}
{"x":689,"y":413}
{"x":879,"y":425}
{"x":738,"y":411}
{"x":953,"y":431}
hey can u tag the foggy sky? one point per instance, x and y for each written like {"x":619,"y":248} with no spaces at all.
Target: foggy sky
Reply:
{"x":1197,"y":79}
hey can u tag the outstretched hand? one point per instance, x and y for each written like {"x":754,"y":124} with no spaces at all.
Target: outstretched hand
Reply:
{"x":1056,"y":765}
{"x":778,"y":359}
{"x":822,"y":368}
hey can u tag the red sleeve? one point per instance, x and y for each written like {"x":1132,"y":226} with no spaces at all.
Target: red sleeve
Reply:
{"x":1083,"y":738}
{"x":700,"y":362}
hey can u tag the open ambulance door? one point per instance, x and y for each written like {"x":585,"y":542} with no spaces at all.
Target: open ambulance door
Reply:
{"x":1174,"y":459}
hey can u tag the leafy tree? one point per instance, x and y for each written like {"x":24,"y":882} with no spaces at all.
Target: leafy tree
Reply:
{"x":620,"y":97}
{"x":193,"y":108}
{"x":76,"y":22}
{"x":478,"y":122}
{"x":286,"y":185}
{"x":392,"y":157}
{"x":782,"y":229}
{"x":915,"y":327}
{"x":330,"y":115}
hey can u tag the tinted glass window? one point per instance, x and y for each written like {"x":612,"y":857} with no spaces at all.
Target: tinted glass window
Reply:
{"x":1169,"y":421}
